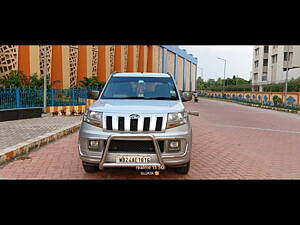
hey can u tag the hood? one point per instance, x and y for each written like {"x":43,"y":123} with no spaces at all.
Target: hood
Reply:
{"x":136,"y":106}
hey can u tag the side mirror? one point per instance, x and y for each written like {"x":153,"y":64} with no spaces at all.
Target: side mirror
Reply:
{"x":93,"y":95}
{"x":186,"y":96}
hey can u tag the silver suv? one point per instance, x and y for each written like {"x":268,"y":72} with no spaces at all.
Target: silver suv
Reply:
{"x":137,"y":121}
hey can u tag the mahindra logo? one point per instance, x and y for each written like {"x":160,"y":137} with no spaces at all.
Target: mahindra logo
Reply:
{"x":134,"y":116}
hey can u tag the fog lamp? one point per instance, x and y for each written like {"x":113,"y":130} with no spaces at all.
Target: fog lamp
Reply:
{"x":174,"y":145}
{"x":93,"y":144}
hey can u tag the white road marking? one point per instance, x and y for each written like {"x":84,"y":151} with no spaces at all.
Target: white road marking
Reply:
{"x":258,"y":128}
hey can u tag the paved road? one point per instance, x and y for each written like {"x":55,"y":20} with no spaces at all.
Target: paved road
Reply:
{"x":230,"y":141}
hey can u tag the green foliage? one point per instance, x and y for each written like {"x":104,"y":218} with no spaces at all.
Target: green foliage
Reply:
{"x":231,"y":84}
{"x":16,"y":79}
{"x":37,"y":82}
{"x":91,"y":82}
{"x":293,"y":86}
{"x":200,"y":83}
{"x":273,"y":87}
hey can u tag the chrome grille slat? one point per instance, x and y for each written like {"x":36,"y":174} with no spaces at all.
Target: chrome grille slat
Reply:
{"x":127,"y":123}
{"x":152,"y":124}
{"x":164,"y":123}
{"x":145,"y":123}
{"x":141,"y":124}
{"x":115,"y":123}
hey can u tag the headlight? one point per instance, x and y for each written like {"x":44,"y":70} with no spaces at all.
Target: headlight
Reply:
{"x":176,"y":119}
{"x":94,"y":118}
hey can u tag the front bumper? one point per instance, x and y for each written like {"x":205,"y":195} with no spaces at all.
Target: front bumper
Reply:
{"x":104,"y":158}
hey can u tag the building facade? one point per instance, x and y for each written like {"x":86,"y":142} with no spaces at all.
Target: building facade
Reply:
{"x":69,"y":64}
{"x":270,"y":63}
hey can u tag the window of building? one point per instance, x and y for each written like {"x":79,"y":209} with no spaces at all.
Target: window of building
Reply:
{"x":264,"y":77}
{"x":256,"y":64}
{"x":255,"y":76}
{"x":257,"y":52}
{"x":266,"y":49}
{"x":265,"y":62}
{"x":274,"y":58}
{"x":285,"y":56}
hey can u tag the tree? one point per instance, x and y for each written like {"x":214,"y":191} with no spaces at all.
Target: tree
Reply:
{"x":219,"y":82}
{"x":37,"y":82}
{"x":234,"y":80}
{"x":200,"y":83}
{"x":15,"y":79}
{"x":232,"y":84}
{"x":293,"y":85}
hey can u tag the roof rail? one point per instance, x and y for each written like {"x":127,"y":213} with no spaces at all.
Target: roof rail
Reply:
{"x":169,"y":73}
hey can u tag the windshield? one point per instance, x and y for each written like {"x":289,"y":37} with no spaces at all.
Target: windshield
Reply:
{"x":159,"y":88}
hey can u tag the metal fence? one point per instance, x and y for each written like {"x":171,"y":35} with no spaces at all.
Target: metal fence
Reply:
{"x":15,"y":98}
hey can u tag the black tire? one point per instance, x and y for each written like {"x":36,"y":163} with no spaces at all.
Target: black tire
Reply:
{"x":90,"y":168}
{"x":184,"y":169}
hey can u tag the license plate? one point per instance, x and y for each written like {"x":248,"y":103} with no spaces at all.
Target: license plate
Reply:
{"x":132,"y":159}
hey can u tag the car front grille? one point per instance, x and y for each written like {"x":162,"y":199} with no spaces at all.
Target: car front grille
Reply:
{"x":142,"y":124}
{"x":128,"y":146}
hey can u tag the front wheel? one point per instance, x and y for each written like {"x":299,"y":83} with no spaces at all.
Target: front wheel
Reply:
{"x":184,"y":169}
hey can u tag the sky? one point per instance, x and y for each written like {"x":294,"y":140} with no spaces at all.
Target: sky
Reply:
{"x":238,"y":60}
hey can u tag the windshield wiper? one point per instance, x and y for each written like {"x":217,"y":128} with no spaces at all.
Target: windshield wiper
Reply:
{"x":123,"y":98}
{"x":135,"y":97}
{"x":161,"y":98}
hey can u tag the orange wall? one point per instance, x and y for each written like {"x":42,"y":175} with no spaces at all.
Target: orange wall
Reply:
{"x":141,"y":59}
{"x":130,"y":59}
{"x":101,"y":68}
{"x":150,"y":59}
{"x":56,"y":72}
{"x":24,"y":60}
{"x":117,"y":58}
{"x":82,"y":63}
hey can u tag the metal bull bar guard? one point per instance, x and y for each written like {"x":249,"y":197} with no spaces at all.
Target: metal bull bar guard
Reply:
{"x":160,"y":163}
